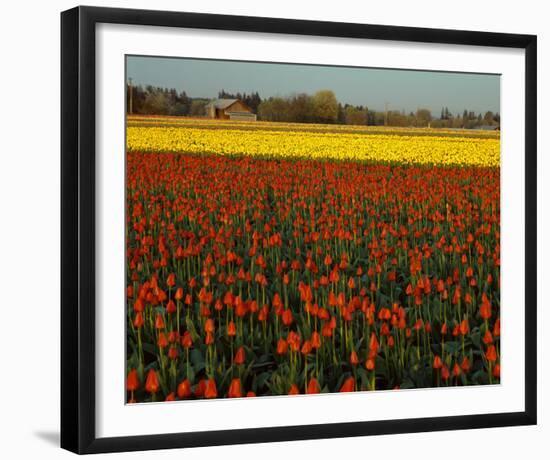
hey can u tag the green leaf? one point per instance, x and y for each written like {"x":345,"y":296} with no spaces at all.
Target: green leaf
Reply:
{"x":260,"y":381}
{"x":452,"y":347}
{"x":407,"y":384}
{"x":197,"y":358}
{"x":475,"y":336}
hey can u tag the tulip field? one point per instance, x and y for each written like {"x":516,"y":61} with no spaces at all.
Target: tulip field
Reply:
{"x":285,"y":259}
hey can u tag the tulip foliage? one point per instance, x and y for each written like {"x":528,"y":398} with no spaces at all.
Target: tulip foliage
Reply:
{"x":251,"y":276}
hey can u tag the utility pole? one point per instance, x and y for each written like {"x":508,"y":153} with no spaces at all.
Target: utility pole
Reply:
{"x":385,"y":114}
{"x":130,"y":110}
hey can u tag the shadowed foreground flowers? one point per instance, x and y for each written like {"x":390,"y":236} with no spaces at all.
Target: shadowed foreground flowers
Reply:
{"x":260,"y":277}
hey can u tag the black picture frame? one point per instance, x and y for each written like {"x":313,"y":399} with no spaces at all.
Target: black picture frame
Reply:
{"x":78,"y":178}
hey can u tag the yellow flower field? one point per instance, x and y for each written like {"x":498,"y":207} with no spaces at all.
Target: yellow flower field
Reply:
{"x":390,"y":146}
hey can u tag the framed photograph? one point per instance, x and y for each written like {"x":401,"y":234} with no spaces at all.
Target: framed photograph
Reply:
{"x":280,"y":230}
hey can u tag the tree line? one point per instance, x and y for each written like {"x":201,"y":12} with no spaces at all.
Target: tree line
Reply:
{"x":153,"y":100}
{"x":320,"y":107}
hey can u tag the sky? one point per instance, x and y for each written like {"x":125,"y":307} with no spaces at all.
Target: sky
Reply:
{"x":401,"y":89}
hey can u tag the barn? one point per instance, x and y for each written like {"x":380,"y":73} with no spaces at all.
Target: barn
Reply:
{"x":230,"y":109}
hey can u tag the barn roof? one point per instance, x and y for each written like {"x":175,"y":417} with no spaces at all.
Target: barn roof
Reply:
{"x":222,"y":103}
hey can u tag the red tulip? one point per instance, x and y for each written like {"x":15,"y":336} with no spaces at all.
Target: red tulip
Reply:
{"x":200,"y":388}
{"x":445,"y":373}
{"x":464,"y":327}
{"x":240,"y":356}
{"x":315,"y":340}
{"x":348,"y":385}
{"x":485,"y":307}
{"x":491,"y":353}
{"x":184,"y":389}
{"x":373,"y":345}
{"x":496,"y":328}
{"x":370,"y":364}
{"x":465,"y":364}
{"x":170,"y":307}
{"x":173,"y":336}
{"x":456,"y":330}
{"x":384,"y":314}
{"x":138,"y":320}
{"x":240,"y":307}
{"x":485,"y":311}
{"x":496,"y":371}
{"x":287,"y":317}
{"x":210,"y":391}
{"x":294,"y":390}
{"x":138,"y":306}
{"x":351,"y":283}
{"x":312,"y":386}
{"x":235,"y":389}
{"x":487,"y":337}
{"x":132,"y":381}
{"x":276,"y":302}
{"x":282,"y":346}
{"x":173,"y":352}
{"x":231,"y":329}
{"x":162,"y":341}
{"x":294,"y":341}
{"x":152,"y":383}
{"x":326,"y":331}
{"x":186,"y":340}
{"x":323,"y":314}
{"x":456,"y":370}
{"x":209,"y":325}
{"x":306,"y":347}
{"x":159,"y":321}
